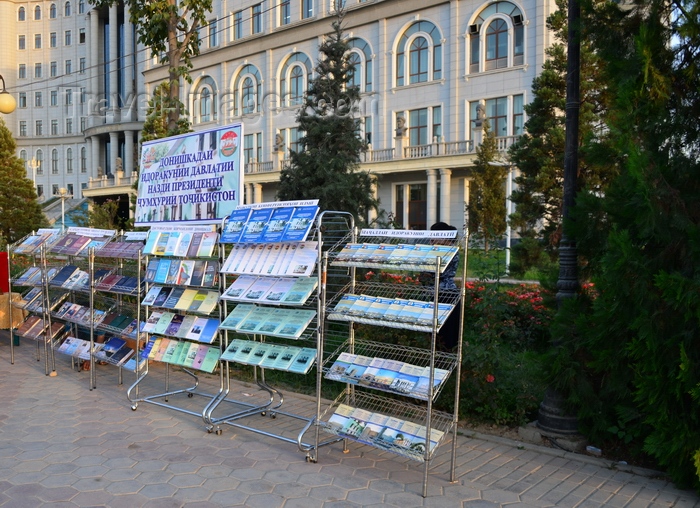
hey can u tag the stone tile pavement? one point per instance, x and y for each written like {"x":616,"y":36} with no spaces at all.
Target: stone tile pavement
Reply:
{"x":63,"y":445}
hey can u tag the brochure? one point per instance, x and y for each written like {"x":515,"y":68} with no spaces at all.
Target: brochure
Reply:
{"x":300,"y":291}
{"x":303,"y":361}
{"x":300,"y":224}
{"x":236,"y":290}
{"x":232,"y":349}
{"x":286,"y":358}
{"x":295,"y":323}
{"x":255,"y":226}
{"x":234,"y":225}
{"x":238,"y":314}
{"x":279,"y":289}
{"x":207,"y":245}
{"x":277,"y":224}
{"x":183,"y":245}
{"x":304,"y":260}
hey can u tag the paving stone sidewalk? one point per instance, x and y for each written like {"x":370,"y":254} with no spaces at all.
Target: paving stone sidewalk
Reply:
{"x":63,"y":445}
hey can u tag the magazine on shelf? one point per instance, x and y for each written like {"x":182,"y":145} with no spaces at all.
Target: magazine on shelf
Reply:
{"x":79,"y":316}
{"x":71,"y":244}
{"x":286,"y":252}
{"x":202,"y":350}
{"x":161,"y":274}
{"x":207,"y":245}
{"x":255,"y":227}
{"x":170,"y":351}
{"x":208,"y":333}
{"x":121,"y":356}
{"x":421,"y":389}
{"x":374,"y":425}
{"x":254,"y":319}
{"x":339,"y":418}
{"x":303,"y":361}
{"x":210,"y":360}
{"x":445,"y":252}
{"x":174,"y":325}
{"x":111,"y":346}
{"x":180,"y":353}
{"x":32,"y":243}
{"x":151,"y":296}
{"x":381,"y":254}
{"x":186,"y":326}
{"x":150,"y":344}
{"x":259,"y":289}
{"x":286,"y":358}
{"x":185,"y":272}
{"x":211,"y":274}
{"x":254,"y":253}
{"x":173,"y":271}
{"x":83,"y":350}
{"x":407,"y":379}
{"x":274,"y":320}
{"x":63,"y":275}
{"x":304,"y":260}
{"x":300,"y":291}
{"x":151,"y":270}
{"x":393,"y":313}
{"x":243,"y":353}
{"x":163,"y":323}
{"x":279,"y":289}
{"x":342,"y":308}
{"x":30,"y":276}
{"x":362,"y":306}
{"x":194,"y":245}
{"x":79,"y":280}
{"x":354,"y":373}
{"x":173,"y":241}
{"x":340,"y":366}
{"x":28,"y":297}
{"x":162,"y":296}
{"x":409,"y":437}
{"x":68,"y":345}
{"x":161,"y":243}
{"x":162,"y":348}
{"x":261,"y":261}
{"x":237,"y":314}
{"x":418,"y":255}
{"x":211,"y":299}
{"x":151,"y":241}
{"x":197,"y":300}
{"x":356,"y":423}
{"x":234,"y":225}
{"x":274,"y":256}
{"x":198,"y":272}
{"x":238,"y":287}
{"x":233,"y":257}
{"x":391,"y":435}
{"x":365,"y":253}
{"x":190,"y":354}
{"x":185,"y":299}
{"x":347,"y":252}
{"x":258,"y":353}
{"x":232,"y":349}
{"x":173,"y":298}
{"x":399,"y":254}
{"x":277,"y":224}
{"x":183,"y":245}
{"x":295,"y":322}
{"x":379,"y":307}
{"x":413,"y":310}
{"x":299,"y":226}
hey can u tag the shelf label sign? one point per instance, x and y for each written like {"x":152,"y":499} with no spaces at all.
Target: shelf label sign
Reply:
{"x":195,"y":178}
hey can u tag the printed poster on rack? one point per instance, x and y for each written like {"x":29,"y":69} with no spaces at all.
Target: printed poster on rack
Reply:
{"x":194,"y":178}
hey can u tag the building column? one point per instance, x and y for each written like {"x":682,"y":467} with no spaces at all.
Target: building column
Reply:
{"x":372,"y":214}
{"x":113,"y":151}
{"x":113,"y":61}
{"x":130,"y":105}
{"x":128,"y":153}
{"x":93,"y":66}
{"x":431,"y":198}
{"x":445,"y":189}
{"x":248,"y":193}
{"x":95,"y":162}
{"x":257,"y":193}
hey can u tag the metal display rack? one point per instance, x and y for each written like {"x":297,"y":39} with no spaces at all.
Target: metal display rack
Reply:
{"x":359,"y":413}
{"x":163,"y":398}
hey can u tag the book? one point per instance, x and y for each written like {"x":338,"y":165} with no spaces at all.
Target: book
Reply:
{"x":173,"y":241}
{"x":300,"y":291}
{"x":150,"y":343}
{"x":185,"y":272}
{"x":234,"y":225}
{"x":356,"y":423}
{"x":183,"y":245}
{"x":381,"y":254}
{"x":173,"y":271}
{"x":277,"y":224}
{"x":374,"y":426}
{"x":207,"y":245}
{"x":295,"y":323}
{"x":197,"y":328}
{"x":279,"y":289}
{"x":162,"y":272}
{"x":255,"y":226}
{"x":151,"y":296}
{"x":378,"y":307}
{"x":202,"y":350}
{"x":399,"y":254}
{"x":237,"y":314}
{"x":236,"y":290}
{"x":197,"y":300}
{"x":174,"y":325}
{"x":161,"y":243}
{"x":300,"y":224}
{"x":151,"y":270}
{"x":286,"y":358}
{"x":162,"y":297}
{"x":28,"y":297}
{"x":63,"y":275}
{"x":391,"y":435}
{"x":151,"y":240}
{"x":259,"y":289}
{"x":121,"y":356}
{"x":344,"y":305}
{"x":186,"y":326}
{"x":211,"y":299}
{"x":209,"y":331}
{"x":303,"y":361}
{"x":258,"y":354}
{"x":394,"y":311}
{"x":185,"y":299}
{"x":181,"y":352}
{"x":163,"y":323}
{"x":272,"y":355}
{"x":198,"y":272}
{"x":304,"y":260}
{"x":340,"y":366}
{"x":211,"y":358}
{"x":364,"y":253}
{"x":232,"y":349}
{"x":211,"y":274}
{"x":29,"y":277}
{"x":173,"y":298}
{"x":194,"y":245}
{"x":111,"y":346}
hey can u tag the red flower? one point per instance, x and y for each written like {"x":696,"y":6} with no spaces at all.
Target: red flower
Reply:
{"x":490,"y":378}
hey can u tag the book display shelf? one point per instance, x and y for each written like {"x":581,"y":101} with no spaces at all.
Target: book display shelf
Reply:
{"x":270,"y":302}
{"x":389,"y":389}
{"x":27,"y":315}
{"x":180,"y":306}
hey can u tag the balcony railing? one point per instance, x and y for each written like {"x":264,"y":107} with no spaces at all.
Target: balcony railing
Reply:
{"x":114,"y":181}
{"x":259,"y":167}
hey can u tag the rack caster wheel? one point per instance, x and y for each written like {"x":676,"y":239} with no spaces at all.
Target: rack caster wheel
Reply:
{"x":273,"y":415}
{"x":263,"y":413}
{"x":190,"y":395}
{"x":311,"y":460}
{"x":134,"y":407}
{"x":210,"y":429}
{"x":219,"y":432}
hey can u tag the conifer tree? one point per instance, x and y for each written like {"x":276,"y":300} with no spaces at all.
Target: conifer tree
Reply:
{"x":326,"y":166}
{"x":20,"y":213}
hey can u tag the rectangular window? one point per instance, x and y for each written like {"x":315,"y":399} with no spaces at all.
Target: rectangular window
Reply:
{"x":81,"y":67}
{"x":497,"y":114}
{"x":213,"y":38}
{"x":258,"y":151}
{"x":22,"y":99}
{"x":418,"y":127}
{"x":437,"y":124}
{"x":69,"y":187}
{"x":53,"y":69}
{"x":248,"y":148}
{"x":83,"y":96}
{"x":69,"y":126}
{"x":83,"y":160}
{"x":37,"y":41}
{"x":237,"y":25}
{"x":307,"y":8}
{"x":69,"y":170}
{"x":285,"y":12}
{"x":22,"y":73}
{"x":69,"y":96}
{"x":37,"y":70}
{"x":37,"y":99}
{"x":69,"y":37}
{"x":257,"y":19}
{"x":21,"y":43}
{"x":294,"y":136}
{"x":83,"y":123}
{"x":54,"y":189}
{"x":69,"y":67}
{"x":518,"y":116}
{"x":39,"y":191}
{"x":54,"y":97}
{"x":23,"y":129}
{"x":81,"y":36}
{"x":54,"y":127}
{"x":368,"y":129}
{"x":39,"y":128}
{"x":52,"y":39}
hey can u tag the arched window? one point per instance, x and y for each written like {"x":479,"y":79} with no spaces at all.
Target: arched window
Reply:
{"x":419,"y":52}
{"x":21,"y":14}
{"x":204,"y":103}
{"x":69,"y":160}
{"x":52,"y":11}
{"x":23,"y":157}
{"x":247,"y":86}
{"x":83,"y":160}
{"x":54,"y":162}
{"x":496,"y":38}
{"x":296,"y":73}
{"x":361,"y":60}
{"x":39,"y":156}
{"x":66,"y":9}
{"x":37,"y":12}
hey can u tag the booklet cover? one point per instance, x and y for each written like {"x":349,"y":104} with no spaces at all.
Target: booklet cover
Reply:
{"x":259,"y":289}
{"x":255,"y":226}
{"x":303,"y":361}
{"x":232,"y":258}
{"x":186,"y":299}
{"x":254,"y":319}
{"x":161,"y":244}
{"x":234,"y":225}
{"x":300,"y":291}
{"x":243,"y":353}
{"x":277,"y":224}
{"x":236,"y":290}
{"x":185,"y":273}
{"x":232,"y":349}
{"x":295,"y":323}
{"x":185,"y":327}
{"x":211,"y":274}
{"x":282,"y":260}
{"x":162,"y":272}
{"x":238,"y":314}
{"x":286,"y":358}
{"x":197,"y":327}
{"x":198,"y":272}
{"x":173,"y":242}
{"x":211,"y":358}
{"x":261,"y":262}
{"x":304,"y":260}
{"x":194,"y":245}
{"x":207,"y":245}
{"x":258,"y":354}
{"x":354,"y":373}
{"x":274,"y":320}
{"x":340,"y":366}
{"x":274,"y":256}
{"x":211,"y":299}
{"x":407,"y":379}
{"x":272,"y":355}
{"x":300,"y":224}
{"x":251,"y":258}
{"x":209,"y":331}
{"x":163,"y":323}
{"x":279,"y":289}
{"x":173,"y":298}
{"x":183,"y":245}
{"x":173,"y":271}
{"x":151,"y":241}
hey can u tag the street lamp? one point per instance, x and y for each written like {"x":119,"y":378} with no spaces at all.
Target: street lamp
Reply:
{"x":63,"y":194}
{"x":7,"y":102}
{"x":509,"y":206}
{"x":33,"y":163}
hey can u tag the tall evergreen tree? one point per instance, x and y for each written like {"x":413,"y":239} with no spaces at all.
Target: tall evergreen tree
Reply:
{"x":20,"y":212}
{"x":539,"y":153}
{"x":326,"y":167}
{"x":487,"y":200}
{"x":157,"y":123}
{"x":632,"y":361}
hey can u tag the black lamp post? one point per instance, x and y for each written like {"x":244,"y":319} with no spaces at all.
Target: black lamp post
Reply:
{"x":552,"y":416}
